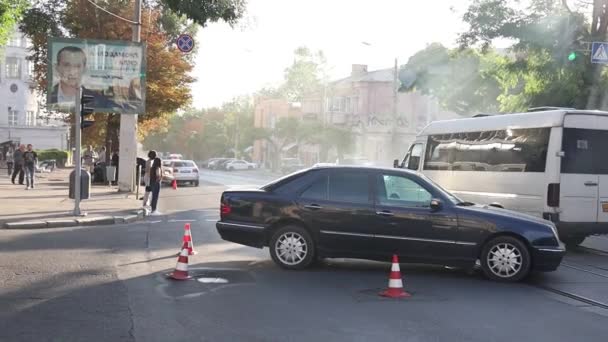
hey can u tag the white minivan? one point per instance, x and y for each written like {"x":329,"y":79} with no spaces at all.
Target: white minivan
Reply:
{"x":552,"y":164}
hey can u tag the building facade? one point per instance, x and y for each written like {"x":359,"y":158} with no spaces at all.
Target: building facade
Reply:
{"x":21,"y":106}
{"x":383,"y":122}
{"x":267,"y":114}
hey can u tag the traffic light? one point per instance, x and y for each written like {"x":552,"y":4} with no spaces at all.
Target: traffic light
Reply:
{"x":85,"y":111}
{"x":572,"y":56}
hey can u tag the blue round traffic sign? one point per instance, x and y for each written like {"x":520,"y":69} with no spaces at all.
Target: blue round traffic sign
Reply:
{"x":185,"y":43}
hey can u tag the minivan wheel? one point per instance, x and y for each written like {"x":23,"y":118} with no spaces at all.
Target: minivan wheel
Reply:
{"x":291,"y":247}
{"x":573,"y":241}
{"x":505,"y":258}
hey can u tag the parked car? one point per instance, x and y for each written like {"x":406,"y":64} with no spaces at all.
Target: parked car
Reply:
{"x":289,"y":165}
{"x":216,"y":164}
{"x":373,"y":213}
{"x":205,"y":164}
{"x":175,"y":156}
{"x":183,"y":171}
{"x":239,"y":165}
{"x":223,"y":163}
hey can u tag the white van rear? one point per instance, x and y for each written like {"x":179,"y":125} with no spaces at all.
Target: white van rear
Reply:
{"x":552,"y":164}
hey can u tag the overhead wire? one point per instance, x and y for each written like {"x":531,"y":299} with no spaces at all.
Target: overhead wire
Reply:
{"x":112,"y":14}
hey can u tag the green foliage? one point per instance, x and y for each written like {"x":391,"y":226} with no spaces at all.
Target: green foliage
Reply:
{"x":548,"y":63}
{"x":11,"y":12}
{"x":462,"y":80}
{"x":58,"y":155}
{"x":305,"y":75}
{"x":204,"y":11}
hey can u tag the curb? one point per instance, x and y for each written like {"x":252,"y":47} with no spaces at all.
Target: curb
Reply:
{"x":136,"y":215}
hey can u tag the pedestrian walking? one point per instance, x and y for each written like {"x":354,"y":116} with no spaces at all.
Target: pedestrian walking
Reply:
{"x":9,"y":161}
{"x":155,"y":179}
{"x":18,"y":166}
{"x":89,"y":157}
{"x":114,"y":162}
{"x":148,"y":167}
{"x":30,"y":158}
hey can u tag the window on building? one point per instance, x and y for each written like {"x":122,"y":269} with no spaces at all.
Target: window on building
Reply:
{"x":13,"y":67}
{"x":13,"y":117}
{"x":15,"y":41}
{"x":30,"y":69}
{"x":509,"y":150}
{"x":30,"y":118}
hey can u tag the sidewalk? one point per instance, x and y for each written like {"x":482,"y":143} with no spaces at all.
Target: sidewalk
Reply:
{"x":48,"y":204}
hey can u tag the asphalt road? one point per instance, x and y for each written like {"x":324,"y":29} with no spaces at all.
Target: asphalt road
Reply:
{"x":109,"y":284}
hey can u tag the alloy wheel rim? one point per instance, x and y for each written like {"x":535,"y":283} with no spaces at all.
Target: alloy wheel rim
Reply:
{"x":505,"y":260}
{"x":291,"y":248}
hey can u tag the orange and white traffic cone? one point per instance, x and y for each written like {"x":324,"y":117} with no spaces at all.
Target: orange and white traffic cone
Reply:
{"x":181,"y":269}
{"x":395,"y":284}
{"x":187,"y":241}
{"x":174,"y":184}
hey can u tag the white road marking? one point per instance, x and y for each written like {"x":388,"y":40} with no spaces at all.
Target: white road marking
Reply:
{"x":172,"y":220}
{"x":212,"y":220}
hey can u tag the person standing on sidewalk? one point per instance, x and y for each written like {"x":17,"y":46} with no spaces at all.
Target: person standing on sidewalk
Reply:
{"x":18,"y":160}
{"x":9,"y":161}
{"x":155,"y":180}
{"x":90,"y":156}
{"x":30,"y":159}
{"x":148,"y":167}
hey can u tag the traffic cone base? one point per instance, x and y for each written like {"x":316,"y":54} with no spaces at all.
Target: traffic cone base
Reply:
{"x":395,"y":283}
{"x":181,"y":269}
{"x":174,"y":184}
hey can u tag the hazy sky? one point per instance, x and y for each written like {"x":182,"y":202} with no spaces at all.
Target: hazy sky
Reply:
{"x":240,"y":60}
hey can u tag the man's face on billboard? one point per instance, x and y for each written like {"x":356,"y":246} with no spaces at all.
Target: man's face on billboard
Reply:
{"x":70,"y":66}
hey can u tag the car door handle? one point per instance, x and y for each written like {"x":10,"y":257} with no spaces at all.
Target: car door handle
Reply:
{"x":313,"y":206}
{"x":385,"y":213}
{"x":590,"y":183}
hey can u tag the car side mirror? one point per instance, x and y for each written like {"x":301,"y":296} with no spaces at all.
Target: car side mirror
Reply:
{"x":396,"y":163}
{"x":435,"y":204}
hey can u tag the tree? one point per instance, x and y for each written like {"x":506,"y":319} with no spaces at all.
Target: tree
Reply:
{"x":11,"y":12}
{"x":305,"y":75}
{"x":167,"y":79}
{"x":464,"y":81}
{"x":204,"y":11}
{"x":551,"y":65}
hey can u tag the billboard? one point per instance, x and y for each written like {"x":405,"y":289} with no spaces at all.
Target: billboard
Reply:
{"x":113,"y":72}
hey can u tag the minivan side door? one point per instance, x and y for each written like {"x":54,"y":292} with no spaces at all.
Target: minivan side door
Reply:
{"x":584,"y":169}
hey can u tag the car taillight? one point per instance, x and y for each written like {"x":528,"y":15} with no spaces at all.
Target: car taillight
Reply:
{"x":553,"y":195}
{"x":175,"y":170}
{"x":195,"y":170}
{"x":225,"y":210}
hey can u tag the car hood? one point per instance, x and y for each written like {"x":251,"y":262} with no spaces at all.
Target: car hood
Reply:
{"x":504,"y":213}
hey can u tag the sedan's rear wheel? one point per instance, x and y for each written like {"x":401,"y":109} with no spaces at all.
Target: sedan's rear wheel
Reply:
{"x":505,"y":258}
{"x":291,"y":247}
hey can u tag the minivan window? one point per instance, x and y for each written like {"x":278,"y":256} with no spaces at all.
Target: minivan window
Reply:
{"x":349,"y":187}
{"x":584,"y":151}
{"x":507,"y":150}
{"x":413,"y":160}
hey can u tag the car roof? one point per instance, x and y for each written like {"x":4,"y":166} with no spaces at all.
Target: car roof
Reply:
{"x":357,"y":167}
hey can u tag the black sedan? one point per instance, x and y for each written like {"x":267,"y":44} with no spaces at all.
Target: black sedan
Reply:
{"x":372,"y":213}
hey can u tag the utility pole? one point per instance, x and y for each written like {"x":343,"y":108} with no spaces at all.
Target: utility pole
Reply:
{"x":78,"y":159}
{"x":128,"y":127}
{"x":394,"y":148}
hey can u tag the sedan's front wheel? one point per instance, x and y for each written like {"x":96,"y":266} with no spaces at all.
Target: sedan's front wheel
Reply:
{"x":505,"y":258}
{"x":291,"y":247}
